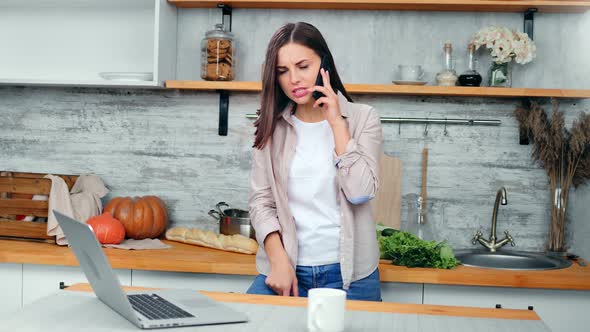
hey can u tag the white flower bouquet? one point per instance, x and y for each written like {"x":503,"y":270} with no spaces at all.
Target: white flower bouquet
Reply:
{"x":506,"y":44}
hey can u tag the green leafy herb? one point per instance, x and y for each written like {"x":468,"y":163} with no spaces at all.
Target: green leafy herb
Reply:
{"x":407,"y":249}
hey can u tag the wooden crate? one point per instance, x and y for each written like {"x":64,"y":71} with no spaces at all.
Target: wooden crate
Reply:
{"x":16,"y":189}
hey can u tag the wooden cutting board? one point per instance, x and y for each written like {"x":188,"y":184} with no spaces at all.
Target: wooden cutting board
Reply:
{"x":387,"y":204}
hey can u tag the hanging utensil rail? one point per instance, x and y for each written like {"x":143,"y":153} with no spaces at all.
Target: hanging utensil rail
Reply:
{"x":389,"y":119}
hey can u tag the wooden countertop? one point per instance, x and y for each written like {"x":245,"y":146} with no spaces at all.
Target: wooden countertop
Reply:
{"x":402,"y":308}
{"x":188,"y":258}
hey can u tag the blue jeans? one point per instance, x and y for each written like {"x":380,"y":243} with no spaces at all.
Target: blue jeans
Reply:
{"x":325,"y":276}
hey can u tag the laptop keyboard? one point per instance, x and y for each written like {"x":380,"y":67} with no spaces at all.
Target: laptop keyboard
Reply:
{"x":154,"y":307}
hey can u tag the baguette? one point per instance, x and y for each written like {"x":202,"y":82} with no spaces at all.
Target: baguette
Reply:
{"x":236,"y":242}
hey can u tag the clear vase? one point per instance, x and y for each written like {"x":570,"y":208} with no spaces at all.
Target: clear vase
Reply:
{"x":416,"y":221}
{"x":500,"y":75}
{"x":557,"y":226}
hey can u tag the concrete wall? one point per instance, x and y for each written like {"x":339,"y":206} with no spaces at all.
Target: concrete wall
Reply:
{"x":165,"y":142}
{"x":369,"y":45}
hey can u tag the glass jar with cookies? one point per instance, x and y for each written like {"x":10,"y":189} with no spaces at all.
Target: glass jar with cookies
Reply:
{"x":217,"y":55}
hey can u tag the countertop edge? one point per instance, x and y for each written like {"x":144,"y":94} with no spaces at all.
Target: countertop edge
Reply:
{"x":393,"y":307}
{"x":189,"y":258}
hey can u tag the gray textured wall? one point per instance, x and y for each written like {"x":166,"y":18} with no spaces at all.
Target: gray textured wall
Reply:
{"x":165,"y":142}
{"x":368,"y":45}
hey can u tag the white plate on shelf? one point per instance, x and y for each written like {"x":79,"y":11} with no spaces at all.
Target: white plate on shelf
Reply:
{"x":128,"y":76}
{"x":400,"y":82}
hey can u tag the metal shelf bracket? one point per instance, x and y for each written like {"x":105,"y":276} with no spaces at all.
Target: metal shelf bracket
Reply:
{"x":528,"y":27}
{"x":223,"y":112}
{"x":529,"y":21}
{"x":523,"y":133}
{"x":226,"y":11}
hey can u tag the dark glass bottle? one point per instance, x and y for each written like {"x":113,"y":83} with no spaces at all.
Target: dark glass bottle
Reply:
{"x":470,"y":77}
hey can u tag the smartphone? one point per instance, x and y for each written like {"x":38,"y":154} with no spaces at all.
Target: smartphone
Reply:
{"x":319,"y":81}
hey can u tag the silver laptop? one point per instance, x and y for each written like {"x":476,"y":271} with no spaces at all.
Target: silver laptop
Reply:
{"x":146,"y":309}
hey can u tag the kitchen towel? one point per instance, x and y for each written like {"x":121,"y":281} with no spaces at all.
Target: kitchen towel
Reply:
{"x":139,"y":244}
{"x":85,"y":195}
{"x":82,"y":203}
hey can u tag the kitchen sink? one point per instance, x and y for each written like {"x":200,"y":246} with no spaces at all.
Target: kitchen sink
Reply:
{"x":510,"y":260}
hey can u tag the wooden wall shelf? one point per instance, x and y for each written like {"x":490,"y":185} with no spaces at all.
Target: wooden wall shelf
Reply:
{"x":242,"y":86}
{"x":392,"y":89}
{"x":546,"y":6}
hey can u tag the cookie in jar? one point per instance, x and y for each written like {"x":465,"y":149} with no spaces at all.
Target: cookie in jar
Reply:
{"x":217,"y":55}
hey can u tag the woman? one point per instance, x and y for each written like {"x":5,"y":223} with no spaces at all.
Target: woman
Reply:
{"x":314,"y":171}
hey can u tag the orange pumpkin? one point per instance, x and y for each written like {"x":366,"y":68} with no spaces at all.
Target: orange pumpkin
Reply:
{"x":143,"y":217}
{"x":107,"y":229}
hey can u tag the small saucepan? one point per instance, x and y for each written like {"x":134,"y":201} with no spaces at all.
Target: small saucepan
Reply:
{"x":233,"y":221}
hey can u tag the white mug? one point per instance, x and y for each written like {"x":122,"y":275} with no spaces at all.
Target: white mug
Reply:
{"x":325,"y":310}
{"x":410,"y":72}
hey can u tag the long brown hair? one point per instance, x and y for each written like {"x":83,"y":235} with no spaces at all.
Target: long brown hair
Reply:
{"x":273,"y":98}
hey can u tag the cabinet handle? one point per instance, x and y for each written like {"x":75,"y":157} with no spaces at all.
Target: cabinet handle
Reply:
{"x":498,"y":306}
{"x":531,"y":307}
{"x":62,"y":285}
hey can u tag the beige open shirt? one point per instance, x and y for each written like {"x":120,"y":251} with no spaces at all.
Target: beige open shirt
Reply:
{"x":357,"y":181}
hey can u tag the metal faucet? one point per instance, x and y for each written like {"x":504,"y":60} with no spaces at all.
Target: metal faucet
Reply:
{"x":491,"y":243}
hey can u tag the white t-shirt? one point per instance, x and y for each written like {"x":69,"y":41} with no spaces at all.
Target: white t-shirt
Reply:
{"x":312,"y":191}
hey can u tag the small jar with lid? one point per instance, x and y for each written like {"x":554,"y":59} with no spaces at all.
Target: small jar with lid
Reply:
{"x":448,"y":76}
{"x":217,"y":55}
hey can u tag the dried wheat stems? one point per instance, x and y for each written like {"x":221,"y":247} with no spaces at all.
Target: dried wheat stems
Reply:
{"x":565,"y":156}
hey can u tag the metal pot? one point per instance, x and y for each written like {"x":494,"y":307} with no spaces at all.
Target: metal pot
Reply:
{"x":233,"y":221}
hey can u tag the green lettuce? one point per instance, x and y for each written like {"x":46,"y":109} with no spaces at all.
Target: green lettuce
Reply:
{"x":406,"y":249}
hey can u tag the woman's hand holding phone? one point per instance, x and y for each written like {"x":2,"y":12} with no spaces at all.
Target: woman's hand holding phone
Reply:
{"x":329,"y":102}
